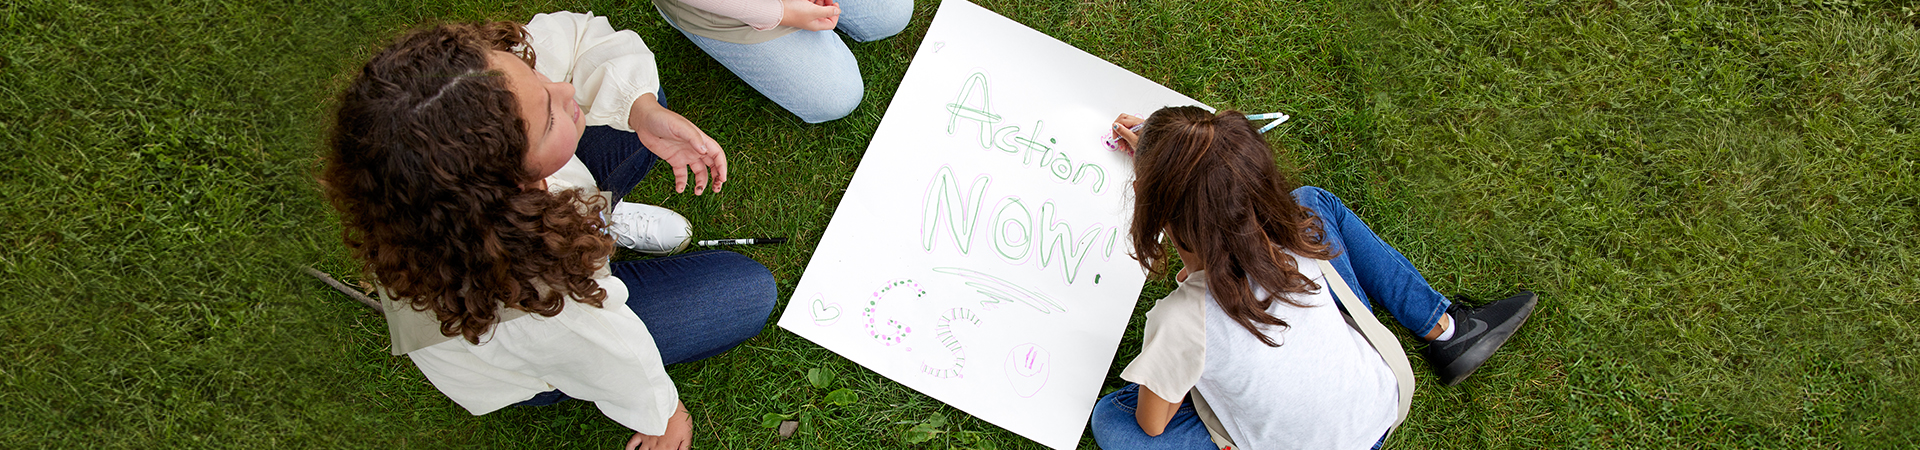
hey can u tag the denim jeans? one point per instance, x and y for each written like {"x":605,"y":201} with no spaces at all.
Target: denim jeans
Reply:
{"x":696,"y":305}
{"x":1115,"y":428}
{"x":1372,"y":268}
{"x":812,"y":73}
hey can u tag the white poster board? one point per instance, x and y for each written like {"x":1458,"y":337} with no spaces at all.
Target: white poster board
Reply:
{"x":980,"y":253}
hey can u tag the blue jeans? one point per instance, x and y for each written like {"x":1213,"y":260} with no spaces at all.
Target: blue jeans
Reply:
{"x":812,"y":73}
{"x":696,"y":305}
{"x":1115,"y":428}
{"x":1114,"y":425}
{"x":1372,"y":268}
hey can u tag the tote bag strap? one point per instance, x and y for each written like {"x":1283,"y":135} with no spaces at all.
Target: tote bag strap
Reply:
{"x":1376,"y":334}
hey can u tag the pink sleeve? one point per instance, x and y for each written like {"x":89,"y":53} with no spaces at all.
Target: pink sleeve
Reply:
{"x":760,"y":14}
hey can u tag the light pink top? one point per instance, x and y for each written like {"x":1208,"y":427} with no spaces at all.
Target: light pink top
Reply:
{"x":762,"y":15}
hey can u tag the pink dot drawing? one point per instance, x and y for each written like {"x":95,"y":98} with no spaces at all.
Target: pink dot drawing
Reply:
{"x":887,"y":330}
{"x":1027,"y":368}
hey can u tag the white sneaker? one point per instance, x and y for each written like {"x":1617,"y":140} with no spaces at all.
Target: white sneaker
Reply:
{"x":649,"y":229}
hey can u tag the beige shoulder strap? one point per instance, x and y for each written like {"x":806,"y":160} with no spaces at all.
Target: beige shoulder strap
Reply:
{"x":1376,"y":334}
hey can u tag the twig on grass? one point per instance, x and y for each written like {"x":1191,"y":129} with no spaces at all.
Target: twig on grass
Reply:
{"x":343,"y":288}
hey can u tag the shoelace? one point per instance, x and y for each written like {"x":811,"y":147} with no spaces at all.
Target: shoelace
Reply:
{"x":618,"y":226}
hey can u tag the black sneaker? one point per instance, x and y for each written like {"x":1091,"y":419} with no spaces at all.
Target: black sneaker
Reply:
{"x":1481,"y":332}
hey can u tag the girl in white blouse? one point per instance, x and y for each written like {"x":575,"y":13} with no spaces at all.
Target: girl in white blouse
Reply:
{"x":1250,"y":351}
{"x":475,"y":166}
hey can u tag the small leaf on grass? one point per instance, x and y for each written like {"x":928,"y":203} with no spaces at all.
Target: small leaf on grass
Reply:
{"x":842,"y":397}
{"x":820,"y":378}
{"x":922,"y":433}
{"x":928,"y":429}
{"x":771,"y":420}
{"x":974,"y":440}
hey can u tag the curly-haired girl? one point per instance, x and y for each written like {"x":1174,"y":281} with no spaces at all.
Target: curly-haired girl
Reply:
{"x":475,"y":167}
{"x":1248,"y":351}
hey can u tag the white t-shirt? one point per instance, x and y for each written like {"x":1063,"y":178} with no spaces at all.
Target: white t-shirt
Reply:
{"x":1324,"y":387}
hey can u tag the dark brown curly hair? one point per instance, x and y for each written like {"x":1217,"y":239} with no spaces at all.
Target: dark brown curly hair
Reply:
{"x":427,"y":168}
{"x":1211,"y":183}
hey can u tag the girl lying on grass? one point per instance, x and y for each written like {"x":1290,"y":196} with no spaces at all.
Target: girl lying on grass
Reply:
{"x":475,"y":182}
{"x":1250,"y":335}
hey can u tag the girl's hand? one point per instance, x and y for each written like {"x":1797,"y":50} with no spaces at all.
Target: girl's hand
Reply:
{"x":810,"y":15}
{"x":679,"y":435}
{"x":679,"y":143}
{"x":1122,"y":127}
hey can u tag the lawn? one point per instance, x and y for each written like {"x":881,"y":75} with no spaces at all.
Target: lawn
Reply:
{"x":1719,"y":203}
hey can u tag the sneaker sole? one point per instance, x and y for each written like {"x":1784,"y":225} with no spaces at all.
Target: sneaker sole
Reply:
{"x":1473,"y":358}
{"x":683,"y":243}
{"x":683,"y":246}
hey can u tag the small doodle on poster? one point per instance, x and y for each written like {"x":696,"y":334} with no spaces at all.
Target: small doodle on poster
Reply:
{"x":1028,"y":369}
{"x":956,"y":362}
{"x":890,"y":331}
{"x":824,"y":313}
{"x":999,"y":290}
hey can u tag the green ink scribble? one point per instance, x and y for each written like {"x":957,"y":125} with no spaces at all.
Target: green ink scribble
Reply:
{"x":1000,"y":290}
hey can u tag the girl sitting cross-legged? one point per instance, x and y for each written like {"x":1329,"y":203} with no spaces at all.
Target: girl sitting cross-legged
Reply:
{"x":1250,"y":350}
{"x":476,"y":168}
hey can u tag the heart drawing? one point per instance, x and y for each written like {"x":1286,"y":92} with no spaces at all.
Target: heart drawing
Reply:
{"x":824,"y":313}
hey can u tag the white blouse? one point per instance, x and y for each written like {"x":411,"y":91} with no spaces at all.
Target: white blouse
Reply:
{"x":604,"y":355}
{"x":608,"y":68}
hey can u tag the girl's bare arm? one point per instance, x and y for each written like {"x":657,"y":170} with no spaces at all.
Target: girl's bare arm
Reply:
{"x":1153,"y":412}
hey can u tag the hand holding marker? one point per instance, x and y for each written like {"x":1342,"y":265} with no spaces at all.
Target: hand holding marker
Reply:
{"x":749,"y":241}
{"x":1115,"y":141}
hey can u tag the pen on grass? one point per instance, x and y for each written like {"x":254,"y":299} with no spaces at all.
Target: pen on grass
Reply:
{"x":749,"y":241}
{"x":1113,"y":140}
{"x":1278,"y":119}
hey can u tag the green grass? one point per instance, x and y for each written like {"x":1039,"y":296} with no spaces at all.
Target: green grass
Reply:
{"x":1718,"y":202}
